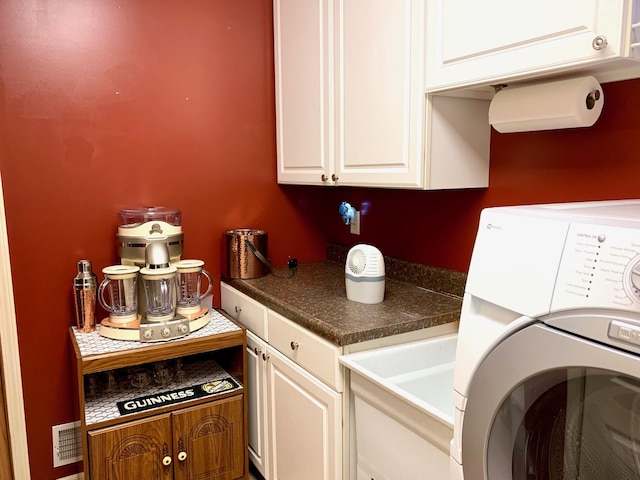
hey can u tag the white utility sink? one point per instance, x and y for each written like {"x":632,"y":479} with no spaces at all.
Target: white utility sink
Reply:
{"x":402,"y":398}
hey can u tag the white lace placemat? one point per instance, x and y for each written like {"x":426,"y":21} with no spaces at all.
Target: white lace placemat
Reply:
{"x":93,"y":343}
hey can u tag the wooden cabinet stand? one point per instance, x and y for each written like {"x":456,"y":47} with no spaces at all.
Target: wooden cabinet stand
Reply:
{"x":161,"y":411}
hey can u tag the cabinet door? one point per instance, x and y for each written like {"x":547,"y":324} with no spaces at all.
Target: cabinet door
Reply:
{"x":209,"y":441}
{"x":380,"y":92}
{"x":484,"y":41}
{"x":304,"y":422}
{"x":256,"y":391}
{"x":134,"y":450}
{"x":303,"y":94}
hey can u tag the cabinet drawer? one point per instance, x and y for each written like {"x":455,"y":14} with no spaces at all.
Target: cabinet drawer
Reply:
{"x":308,"y":350}
{"x":245,"y":310}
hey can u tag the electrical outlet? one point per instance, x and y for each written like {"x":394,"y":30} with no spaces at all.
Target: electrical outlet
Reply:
{"x":354,"y":226}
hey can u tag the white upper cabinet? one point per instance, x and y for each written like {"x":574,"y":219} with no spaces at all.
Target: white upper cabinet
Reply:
{"x":379,"y":81}
{"x":480,"y":42}
{"x":351,"y":107}
{"x":303,"y":73}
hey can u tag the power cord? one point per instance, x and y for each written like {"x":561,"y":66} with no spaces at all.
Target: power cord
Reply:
{"x":293,"y":268}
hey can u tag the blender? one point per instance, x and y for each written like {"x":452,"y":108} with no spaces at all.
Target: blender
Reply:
{"x":151,"y":239}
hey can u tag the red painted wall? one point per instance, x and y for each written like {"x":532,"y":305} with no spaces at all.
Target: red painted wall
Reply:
{"x":438,"y":228}
{"x":108,"y":104}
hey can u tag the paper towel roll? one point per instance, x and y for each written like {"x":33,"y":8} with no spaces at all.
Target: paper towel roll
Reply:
{"x":572,"y":103}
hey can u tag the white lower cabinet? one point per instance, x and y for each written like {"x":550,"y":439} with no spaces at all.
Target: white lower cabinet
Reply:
{"x":302,"y":421}
{"x":257,"y":401}
{"x":295,"y":419}
{"x":304,"y":418}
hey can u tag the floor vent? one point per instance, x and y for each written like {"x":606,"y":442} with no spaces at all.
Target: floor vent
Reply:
{"x":67,"y":444}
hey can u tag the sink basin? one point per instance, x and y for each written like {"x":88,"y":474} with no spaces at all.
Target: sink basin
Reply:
{"x":420,"y":372}
{"x":402,"y":399}
{"x":401,"y":412}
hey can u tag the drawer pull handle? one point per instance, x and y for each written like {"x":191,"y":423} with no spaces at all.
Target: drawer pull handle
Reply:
{"x":166,"y":460}
{"x":182,"y":456}
{"x":294,"y":345}
{"x":238,"y":309}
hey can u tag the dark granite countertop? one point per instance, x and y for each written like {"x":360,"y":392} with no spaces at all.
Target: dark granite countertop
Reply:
{"x":315,"y":298}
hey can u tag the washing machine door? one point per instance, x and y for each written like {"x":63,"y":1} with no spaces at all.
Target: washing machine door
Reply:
{"x":547,"y":405}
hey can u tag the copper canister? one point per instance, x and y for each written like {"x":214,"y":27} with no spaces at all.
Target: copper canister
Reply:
{"x":246,"y":253}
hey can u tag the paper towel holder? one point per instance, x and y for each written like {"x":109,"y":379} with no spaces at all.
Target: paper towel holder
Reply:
{"x":592,"y":97}
{"x":556,"y":104}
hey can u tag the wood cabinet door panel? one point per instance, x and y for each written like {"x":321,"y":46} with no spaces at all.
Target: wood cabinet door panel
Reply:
{"x":212,"y":439}
{"x":133,"y":450}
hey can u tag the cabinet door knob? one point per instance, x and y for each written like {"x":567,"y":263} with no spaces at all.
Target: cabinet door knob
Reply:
{"x":265,"y":357}
{"x":324,"y":178}
{"x":182,"y":456}
{"x":334,"y":177}
{"x":257,"y":351}
{"x":238,"y":309}
{"x":599,"y":42}
{"x":294,"y":345}
{"x":166,"y":460}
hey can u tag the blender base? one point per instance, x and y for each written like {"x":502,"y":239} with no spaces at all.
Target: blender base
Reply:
{"x":142,"y":330}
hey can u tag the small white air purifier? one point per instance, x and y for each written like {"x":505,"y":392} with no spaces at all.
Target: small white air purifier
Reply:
{"x":364,"y":274}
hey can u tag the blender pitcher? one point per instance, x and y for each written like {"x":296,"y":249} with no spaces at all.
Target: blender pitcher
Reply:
{"x":160,"y":285}
{"x":120,"y":281}
{"x":190,"y":273}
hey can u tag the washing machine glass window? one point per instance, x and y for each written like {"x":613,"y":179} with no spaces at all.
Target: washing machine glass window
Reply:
{"x":567,"y":416}
{"x":574,"y":423}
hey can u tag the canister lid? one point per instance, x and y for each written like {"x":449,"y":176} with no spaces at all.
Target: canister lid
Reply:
{"x":120,"y":270}
{"x":132,"y":217}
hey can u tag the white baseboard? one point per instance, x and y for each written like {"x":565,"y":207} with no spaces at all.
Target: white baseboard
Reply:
{"x":75,"y":476}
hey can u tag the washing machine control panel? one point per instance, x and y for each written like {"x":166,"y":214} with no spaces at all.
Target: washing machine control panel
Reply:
{"x":599,"y":268}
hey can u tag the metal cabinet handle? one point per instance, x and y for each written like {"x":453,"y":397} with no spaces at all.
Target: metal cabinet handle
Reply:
{"x":294,"y":345}
{"x":182,"y":456}
{"x":238,"y":309}
{"x":265,"y":357}
{"x":257,"y":351}
{"x":599,"y":42}
{"x":166,"y":460}
{"x":324,"y":178}
{"x":334,"y":177}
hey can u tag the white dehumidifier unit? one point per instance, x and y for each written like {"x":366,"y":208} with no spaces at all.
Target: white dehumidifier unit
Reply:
{"x":364,"y":274}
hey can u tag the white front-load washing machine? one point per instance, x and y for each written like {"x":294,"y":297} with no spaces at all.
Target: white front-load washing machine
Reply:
{"x":547,"y":369}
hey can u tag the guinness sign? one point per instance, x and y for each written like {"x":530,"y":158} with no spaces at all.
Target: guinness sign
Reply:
{"x":162,"y":399}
